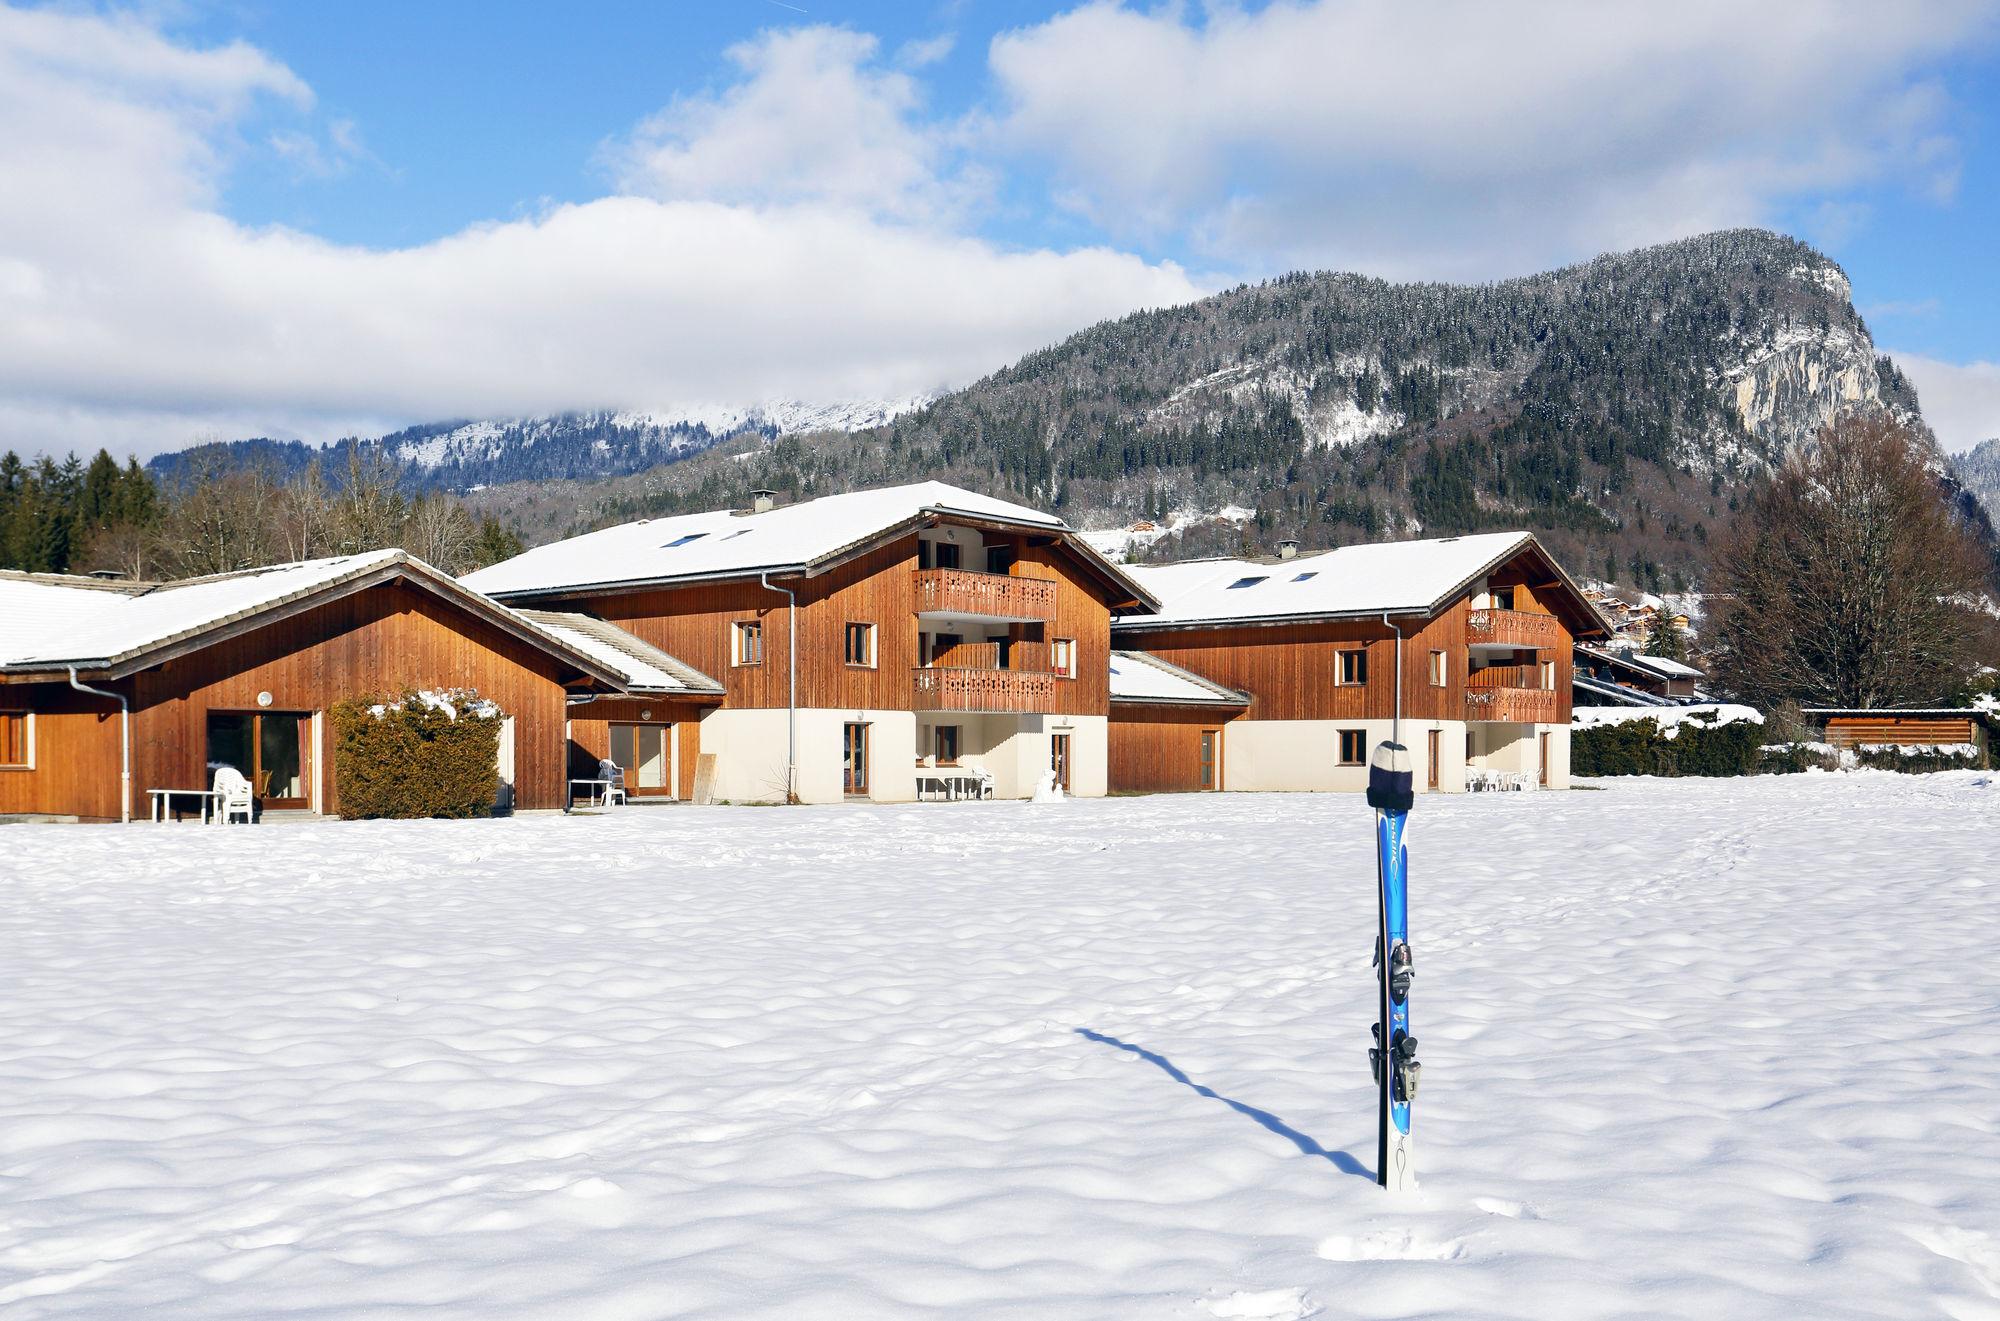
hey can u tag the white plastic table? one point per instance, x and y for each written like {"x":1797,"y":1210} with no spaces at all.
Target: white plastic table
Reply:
{"x":598,"y":791}
{"x":163,"y":801}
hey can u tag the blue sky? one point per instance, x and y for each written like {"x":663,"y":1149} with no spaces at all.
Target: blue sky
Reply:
{"x":248,"y":217}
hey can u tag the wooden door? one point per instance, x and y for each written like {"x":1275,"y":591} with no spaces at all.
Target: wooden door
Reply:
{"x":1434,"y":750}
{"x":1543,"y":741}
{"x":854,"y":759}
{"x":1211,"y":759}
{"x":645,"y":753}
{"x":1059,"y":759}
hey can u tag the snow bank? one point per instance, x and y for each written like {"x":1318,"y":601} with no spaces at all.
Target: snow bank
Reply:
{"x":1669,"y":718}
{"x":1692,"y":1048}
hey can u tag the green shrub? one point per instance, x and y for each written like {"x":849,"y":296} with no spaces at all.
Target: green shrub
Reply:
{"x":1917,"y":760}
{"x":418,"y":756}
{"x":1640,"y":747}
{"x":1795,"y":757}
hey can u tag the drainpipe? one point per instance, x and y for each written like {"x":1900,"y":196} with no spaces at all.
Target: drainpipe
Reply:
{"x":124,"y":743}
{"x":1396,"y":719}
{"x":791,"y":689}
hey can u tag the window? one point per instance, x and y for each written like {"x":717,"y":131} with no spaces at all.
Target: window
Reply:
{"x":682,"y":541}
{"x":1251,"y":581}
{"x":944,"y":744}
{"x":1503,"y":598}
{"x":747,"y":642}
{"x":1352,"y":667}
{"x":17,"y":739}
{"x":1549,"y":675}
{"x":1062,"y":657}
{"x":1353,"y":747}
{"x":1440,"y":675}
{"x":999,"y":559}
{"x":860,"y":645}
{"x":854,"y":758}
{"x":1301,"y":577}
{"x":937,"y":554}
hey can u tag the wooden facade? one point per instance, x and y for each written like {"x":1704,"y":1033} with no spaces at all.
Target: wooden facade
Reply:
{"x":1932,"y":729}
{"x":1159,"y":748}
{"x":590,"y":733}
{"x":379,"y":640}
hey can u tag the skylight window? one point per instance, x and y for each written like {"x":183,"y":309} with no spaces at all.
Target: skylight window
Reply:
{"x":1251,"y":581}
{"x":1309,"y":573}
{"x":682,"y":541}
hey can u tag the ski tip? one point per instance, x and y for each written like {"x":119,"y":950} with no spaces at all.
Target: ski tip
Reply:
{"x":1391,"y":785}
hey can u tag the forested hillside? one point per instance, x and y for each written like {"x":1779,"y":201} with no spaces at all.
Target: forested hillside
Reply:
{"x":1616,"y":406}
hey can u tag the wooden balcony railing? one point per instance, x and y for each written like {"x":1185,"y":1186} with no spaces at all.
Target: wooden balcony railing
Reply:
{"x":1022,"y":655}
{"x":1522,"y":706}
{"x":1505,"y":676}
{"x":1029,"y":692}
{"x":993,"y":595}
{"x":1512,"y":628}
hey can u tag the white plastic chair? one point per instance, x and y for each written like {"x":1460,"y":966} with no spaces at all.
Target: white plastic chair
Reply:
{"x":613,"y":776}
{"x":234,"y":798}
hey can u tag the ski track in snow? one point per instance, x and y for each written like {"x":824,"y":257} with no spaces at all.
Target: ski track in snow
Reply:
{"x":1691,"y":1049}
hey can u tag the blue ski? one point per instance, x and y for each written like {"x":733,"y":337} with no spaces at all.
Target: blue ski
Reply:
{"x":1391,"y":793}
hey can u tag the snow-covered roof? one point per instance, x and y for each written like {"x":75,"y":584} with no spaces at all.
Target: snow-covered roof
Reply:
{"x":1718,"y":713}
{"x":1139,"y":677}
{"x":731,"y":543}
{"x":644,"y":667}
{"x":1667,"y":666}
{"x":1616,"y":694}
{"x":1401,"y":577}
{"x":50,"y":622}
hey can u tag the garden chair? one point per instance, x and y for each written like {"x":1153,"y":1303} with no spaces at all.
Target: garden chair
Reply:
{"x":233,"y":797}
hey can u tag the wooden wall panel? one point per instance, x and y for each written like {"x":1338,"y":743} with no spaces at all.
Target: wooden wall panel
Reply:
{"x":590,"y":734}
{"x":76,"y":754}
{"x":1157,"y":749}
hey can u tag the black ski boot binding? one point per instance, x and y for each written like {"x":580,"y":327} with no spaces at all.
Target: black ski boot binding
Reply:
{"x":1402,"y":967}
{"x":1375,"y":1054}
{"x":1408,"y":1071}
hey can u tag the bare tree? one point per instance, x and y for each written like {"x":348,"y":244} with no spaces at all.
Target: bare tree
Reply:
{"x":441,"y":534}
{"x":218,"y":520}
{"x":1847,"y":580}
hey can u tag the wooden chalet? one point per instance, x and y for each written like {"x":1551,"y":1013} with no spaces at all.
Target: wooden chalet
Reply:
{"x":874,"y":644}
{"x":1487,"y":626}
{"x":110,"y":690}
{"x":1626,"y":678}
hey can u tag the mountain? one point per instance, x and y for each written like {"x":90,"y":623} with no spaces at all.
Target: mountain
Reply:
{"x":1617,"y":406}
{"x":1978,"y":470}
{"x":463,"y":455}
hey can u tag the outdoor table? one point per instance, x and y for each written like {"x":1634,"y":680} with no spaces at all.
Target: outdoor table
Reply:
{"x":592,"y":788}
{"x":951,"y":782}
{"x":163,"y":801}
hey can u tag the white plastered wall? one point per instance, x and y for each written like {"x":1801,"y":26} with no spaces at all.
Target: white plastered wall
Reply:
{"x":1501,"y":746}
{"x":1304,"y":755}
{"x":749,"y":747}
{"x":1016,"y":749}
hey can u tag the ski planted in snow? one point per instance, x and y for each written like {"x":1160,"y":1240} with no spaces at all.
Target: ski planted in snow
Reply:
{"x":1391,"y":792}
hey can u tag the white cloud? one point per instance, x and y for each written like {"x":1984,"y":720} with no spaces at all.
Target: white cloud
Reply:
{"x":1961,"y":400}
{"x":132,"y":310}
{"x":1474,"y":138}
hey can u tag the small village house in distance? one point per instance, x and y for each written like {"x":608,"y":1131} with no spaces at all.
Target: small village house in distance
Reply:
{"x":864,"y":642}
{"x":1309,"y":643}
{"x":111,"y":689}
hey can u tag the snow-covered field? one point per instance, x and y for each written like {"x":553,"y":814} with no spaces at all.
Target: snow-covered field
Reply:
{"x":1692,"y":1049}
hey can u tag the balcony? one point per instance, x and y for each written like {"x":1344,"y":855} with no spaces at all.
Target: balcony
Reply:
{"x":1512,"y":628}
{"x":973,"y":595}
{"x":975,"y":689}
{"x":1521,"y":706}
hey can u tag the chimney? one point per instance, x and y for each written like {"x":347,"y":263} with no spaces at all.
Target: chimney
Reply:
{"x":1288,"y":548}
{"x":107,"y":575}
{"x":763,"y":502}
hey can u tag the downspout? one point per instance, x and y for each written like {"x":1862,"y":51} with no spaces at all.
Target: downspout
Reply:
{"x":1396,"y":719}
{"x":791,"y":688}
{"x":124,"y":743}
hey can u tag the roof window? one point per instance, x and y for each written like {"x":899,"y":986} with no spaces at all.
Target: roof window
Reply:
{"x":1309,"y":573}
{"x":1251,"y":581}
{"x":684,"y":540}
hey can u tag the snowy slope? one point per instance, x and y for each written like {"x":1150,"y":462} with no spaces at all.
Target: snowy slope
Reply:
{"x":1095,"y":1059}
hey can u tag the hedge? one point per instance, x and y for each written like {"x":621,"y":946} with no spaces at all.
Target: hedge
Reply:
{"x":422,"y":755}
{"x":1641,"y":747}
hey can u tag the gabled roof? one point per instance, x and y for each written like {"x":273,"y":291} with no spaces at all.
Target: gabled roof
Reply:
{"x":1653,"y":667}
{"x":1616,"y":694}
{"x":1137,"y":676}
{"x":1667,"y":666}
{"x":643,"y":666}
{"x":51,"y":622}
{"x":1397,"y":577}
{"x":809,"y":538}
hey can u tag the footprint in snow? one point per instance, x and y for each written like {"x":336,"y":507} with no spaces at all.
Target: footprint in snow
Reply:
{"x":1389,"y":1245}
{"x":1500,"y":1206}
{"x":1265,"y":1305}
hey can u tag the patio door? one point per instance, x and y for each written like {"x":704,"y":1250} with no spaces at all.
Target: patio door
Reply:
{"x":269,"y":748}
{"x":1211,"y":759}
{"x":645,"y":754}
{"x":1543,"y":741}
{"x":1059,"y":759}
{"x":854,"y":759}
{"x":1434,"y":749}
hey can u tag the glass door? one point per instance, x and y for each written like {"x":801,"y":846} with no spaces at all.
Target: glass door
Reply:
{"x":269,"y":748}
{"x":854,"y":759}
{"x":1211,"y":758}
{"x":1059,"y":759}
{"x":645,"y":754}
